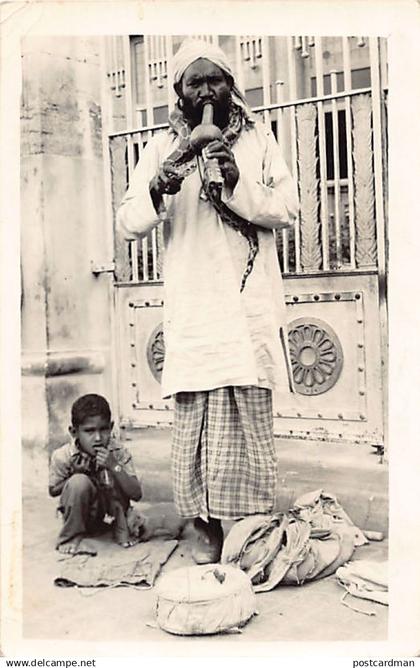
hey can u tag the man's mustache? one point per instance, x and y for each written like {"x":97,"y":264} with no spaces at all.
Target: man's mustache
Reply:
{"x":200,"y":103}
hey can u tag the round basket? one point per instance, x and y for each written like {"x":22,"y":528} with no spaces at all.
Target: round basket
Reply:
{"x":201,"y":600}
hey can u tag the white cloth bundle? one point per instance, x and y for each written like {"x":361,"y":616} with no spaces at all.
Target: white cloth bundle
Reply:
{"x":201,"y":600}
{"x":365,"y":579}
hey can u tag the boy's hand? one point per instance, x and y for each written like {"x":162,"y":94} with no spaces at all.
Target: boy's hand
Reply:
{"x":105,"y":458}
{"x":80,"y":467}
{"x":80,"y":464}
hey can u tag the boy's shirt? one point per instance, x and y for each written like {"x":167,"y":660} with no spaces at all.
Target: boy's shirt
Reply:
{"x":65,"y":459}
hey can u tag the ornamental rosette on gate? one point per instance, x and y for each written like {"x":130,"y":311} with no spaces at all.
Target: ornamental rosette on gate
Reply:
{"x":316,"y":355}
{"x":156,"y":352}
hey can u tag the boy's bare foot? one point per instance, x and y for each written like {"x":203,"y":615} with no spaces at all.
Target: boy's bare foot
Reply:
{"x":70,"y":547}
{"x":86,"y":547}
{"x":78,"y":545}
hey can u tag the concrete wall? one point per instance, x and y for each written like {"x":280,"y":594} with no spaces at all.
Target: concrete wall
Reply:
{"x":66,"y":310}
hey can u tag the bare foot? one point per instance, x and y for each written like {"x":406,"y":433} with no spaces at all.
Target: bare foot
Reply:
{"x":129,"y":543}
{"x":77,"y":545}
{"x":86,"y":547}
{"x":70,"y":547}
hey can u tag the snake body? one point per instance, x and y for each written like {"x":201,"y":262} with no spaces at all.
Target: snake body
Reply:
{"x":182,"y":161}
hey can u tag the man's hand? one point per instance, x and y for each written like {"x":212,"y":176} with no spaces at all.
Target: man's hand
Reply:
{"x":166,"y":181}
{"x":228,"y":167}
{"x":104,"y":458}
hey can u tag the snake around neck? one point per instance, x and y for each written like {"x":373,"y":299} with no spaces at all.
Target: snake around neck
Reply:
{"x":183,"y":161}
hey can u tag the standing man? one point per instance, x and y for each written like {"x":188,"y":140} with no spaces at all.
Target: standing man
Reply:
{"x":224,"y":315}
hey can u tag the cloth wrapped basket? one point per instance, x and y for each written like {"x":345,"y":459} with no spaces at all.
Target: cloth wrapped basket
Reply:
{"x":201,"y":600}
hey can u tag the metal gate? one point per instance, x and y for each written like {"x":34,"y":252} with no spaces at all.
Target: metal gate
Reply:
{"x":325,"y":99}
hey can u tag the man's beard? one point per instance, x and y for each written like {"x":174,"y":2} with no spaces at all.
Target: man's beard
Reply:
{"x":193,"y":114}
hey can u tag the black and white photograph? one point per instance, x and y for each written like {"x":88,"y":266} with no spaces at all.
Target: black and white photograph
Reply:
{"x":204,"y":279}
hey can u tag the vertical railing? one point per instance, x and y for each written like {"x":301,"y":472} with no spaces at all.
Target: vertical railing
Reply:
{"x":281,"y":135}
{"x":264,"y":54}
{"x":348,"y":142}
{"x":156,"y":73}
{"x":293,"y":138}
{"x":333,"y":138}
{"x":336,"y":162}
{"x":378,"y":68}
{"x":350,"y":176}
{"x":130,"y":144}
{"x":319,"y":73}
{"x":149,"y":51}
{"x":377,"y":102}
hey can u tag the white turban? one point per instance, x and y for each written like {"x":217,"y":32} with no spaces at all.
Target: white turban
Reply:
{"x":193,"y":49}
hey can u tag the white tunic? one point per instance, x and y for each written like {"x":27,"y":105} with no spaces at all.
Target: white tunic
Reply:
{"x":216,"y":336}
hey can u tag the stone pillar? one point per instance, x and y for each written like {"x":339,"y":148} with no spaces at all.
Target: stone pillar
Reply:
{"x":66,"y":310}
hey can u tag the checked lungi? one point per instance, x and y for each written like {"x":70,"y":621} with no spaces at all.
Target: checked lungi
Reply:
{"x":223,"y":457}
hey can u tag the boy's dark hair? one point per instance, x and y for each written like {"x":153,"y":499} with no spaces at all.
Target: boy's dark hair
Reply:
{"x":87,"y":406}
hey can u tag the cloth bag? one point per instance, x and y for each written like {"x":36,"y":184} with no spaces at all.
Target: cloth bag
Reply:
{"x":278,"y":549}
{"x":202,"y":600}
{"x":365,"y":579}
{"x":324,"y":513}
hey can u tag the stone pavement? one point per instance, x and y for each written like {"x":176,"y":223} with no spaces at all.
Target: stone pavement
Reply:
{"x":311,"y":612}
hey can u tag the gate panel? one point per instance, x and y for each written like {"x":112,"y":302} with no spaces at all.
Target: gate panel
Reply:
{"x":334,"y":340}
{"x":141,"y":354}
